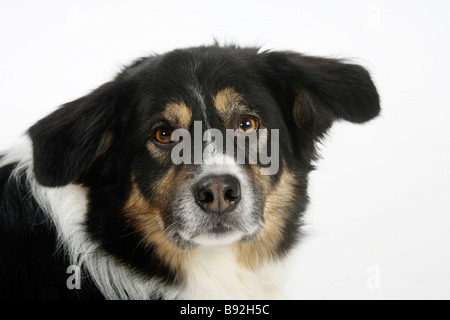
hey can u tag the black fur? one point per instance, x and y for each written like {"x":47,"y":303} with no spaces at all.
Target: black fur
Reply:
{"x":100,"y":139}
{"x":31,"y":266}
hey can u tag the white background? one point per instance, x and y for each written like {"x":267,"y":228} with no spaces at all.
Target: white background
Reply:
{"x":379,"y":221}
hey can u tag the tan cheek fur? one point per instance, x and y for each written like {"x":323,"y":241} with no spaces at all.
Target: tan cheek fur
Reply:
{"x":146,"y":219}
{"x":277,"y":204}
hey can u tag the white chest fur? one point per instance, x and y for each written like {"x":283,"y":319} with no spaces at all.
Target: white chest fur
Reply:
{"x":214,"y":273}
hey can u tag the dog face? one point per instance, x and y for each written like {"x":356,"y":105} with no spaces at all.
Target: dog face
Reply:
{"x":211,"y":201}
{"x":151,"y":211}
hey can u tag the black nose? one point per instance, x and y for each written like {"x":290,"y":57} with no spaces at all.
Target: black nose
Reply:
{"x":218,"y":194}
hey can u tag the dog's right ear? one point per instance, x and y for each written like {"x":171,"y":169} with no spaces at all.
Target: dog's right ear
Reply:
{"x":67,"y":142}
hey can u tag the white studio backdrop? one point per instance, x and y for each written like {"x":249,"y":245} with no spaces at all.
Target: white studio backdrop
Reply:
{"x":378,"y":226}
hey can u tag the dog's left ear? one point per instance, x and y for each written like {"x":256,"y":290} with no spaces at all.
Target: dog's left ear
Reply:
{"x":314,"y":92}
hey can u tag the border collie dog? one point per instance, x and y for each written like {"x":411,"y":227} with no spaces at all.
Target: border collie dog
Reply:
{"x":93,"y":205}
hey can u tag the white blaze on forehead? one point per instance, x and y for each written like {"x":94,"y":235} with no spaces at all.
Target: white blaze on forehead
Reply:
{"x":201,"y":102}
{"x":219,"y":163}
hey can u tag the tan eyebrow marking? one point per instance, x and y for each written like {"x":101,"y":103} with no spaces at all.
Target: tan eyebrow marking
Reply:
{"x":226,"y":100}
{"x":179,"y":114}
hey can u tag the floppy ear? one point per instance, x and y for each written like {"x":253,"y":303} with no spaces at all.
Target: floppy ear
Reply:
{"x":68,"y":141}
{"x":314,"y":92}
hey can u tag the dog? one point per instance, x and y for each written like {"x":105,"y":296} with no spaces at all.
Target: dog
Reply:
{"x":92,"y":205}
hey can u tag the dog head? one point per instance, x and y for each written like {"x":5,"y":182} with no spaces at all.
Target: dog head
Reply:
{"x":153,"y":148}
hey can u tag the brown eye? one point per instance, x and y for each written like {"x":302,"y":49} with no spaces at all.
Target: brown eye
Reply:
{"x":248,"y":125}
{"x":163,"y":134}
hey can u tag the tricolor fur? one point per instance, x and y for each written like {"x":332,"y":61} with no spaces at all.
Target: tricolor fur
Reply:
{"x":90,"y":186}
